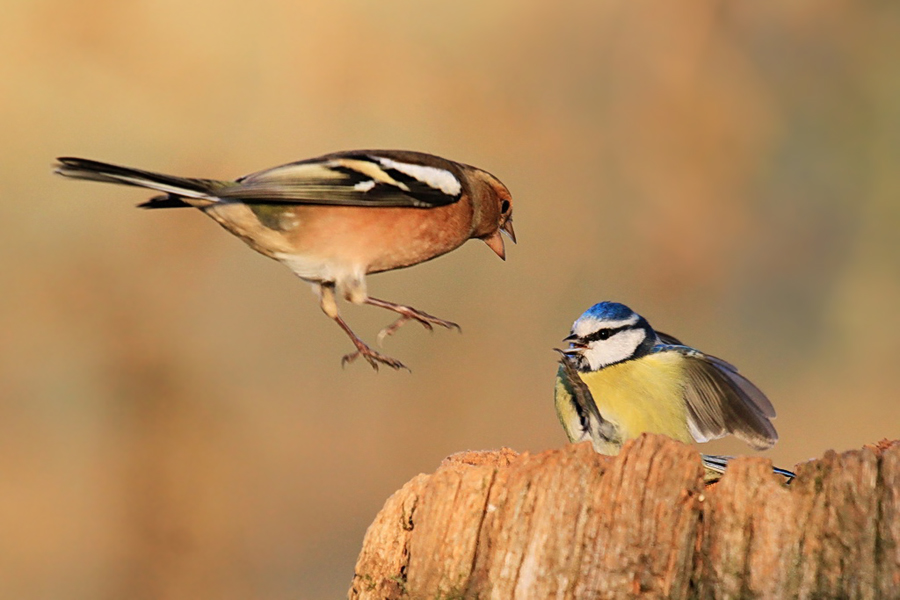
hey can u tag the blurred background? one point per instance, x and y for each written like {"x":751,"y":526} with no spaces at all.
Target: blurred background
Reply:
{"x":174,"y":418}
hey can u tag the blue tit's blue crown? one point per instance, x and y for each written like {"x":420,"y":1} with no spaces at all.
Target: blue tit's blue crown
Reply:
{"x":609,"y":311}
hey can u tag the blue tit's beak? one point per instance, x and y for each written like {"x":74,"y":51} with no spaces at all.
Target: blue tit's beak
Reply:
{"x":575,"y":346}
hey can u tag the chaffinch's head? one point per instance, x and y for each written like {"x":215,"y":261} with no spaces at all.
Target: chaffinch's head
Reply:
{"x":493,"y":211}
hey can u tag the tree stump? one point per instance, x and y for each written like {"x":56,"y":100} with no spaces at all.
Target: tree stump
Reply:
{"x":569,"y":523}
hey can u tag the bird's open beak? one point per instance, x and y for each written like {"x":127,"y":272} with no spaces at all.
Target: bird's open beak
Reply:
{"x":495,"y":243}
{"x":507,"y":228}
{"x":575,"y":347}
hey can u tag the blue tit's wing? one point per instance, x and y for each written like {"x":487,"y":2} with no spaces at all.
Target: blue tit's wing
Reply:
{"x":592,"y":422}
{"x":581,"y":395}
{"x":715,"y":468}
{"x":721,"y":401}
{"x":668,"y":340}
{"x":570,"y":408}
{"x":384,"y":178}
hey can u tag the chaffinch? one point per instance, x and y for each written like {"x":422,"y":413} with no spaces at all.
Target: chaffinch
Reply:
{"x":336,"y":218}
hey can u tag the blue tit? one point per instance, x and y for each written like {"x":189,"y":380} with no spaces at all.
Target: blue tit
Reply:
{"x":619,"y":378}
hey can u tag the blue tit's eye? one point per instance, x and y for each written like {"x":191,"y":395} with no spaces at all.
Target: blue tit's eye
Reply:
{"x":604,"y":334}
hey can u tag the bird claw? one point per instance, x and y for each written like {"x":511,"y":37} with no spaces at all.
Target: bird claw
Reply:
{"x":373,"y":358}
{"x":427,"y":321}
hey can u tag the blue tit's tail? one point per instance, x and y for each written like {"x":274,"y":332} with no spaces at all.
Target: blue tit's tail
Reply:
{"x":179,"y":191}
{"x":714,"y":466}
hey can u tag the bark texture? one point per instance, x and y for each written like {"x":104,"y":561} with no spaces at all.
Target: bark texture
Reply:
{"x":569,"y":523}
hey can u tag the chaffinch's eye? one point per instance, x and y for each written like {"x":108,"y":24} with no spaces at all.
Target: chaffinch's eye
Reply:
{"x":504,"y":206}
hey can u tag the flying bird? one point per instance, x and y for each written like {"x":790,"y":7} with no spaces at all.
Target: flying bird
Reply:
{"x":334,"y":219}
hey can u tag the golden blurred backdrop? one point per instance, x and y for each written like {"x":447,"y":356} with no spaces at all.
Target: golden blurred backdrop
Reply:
{"x":174,"y":418}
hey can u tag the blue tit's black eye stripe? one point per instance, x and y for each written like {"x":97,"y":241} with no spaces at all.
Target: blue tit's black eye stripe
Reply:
{"x":604,"y":334}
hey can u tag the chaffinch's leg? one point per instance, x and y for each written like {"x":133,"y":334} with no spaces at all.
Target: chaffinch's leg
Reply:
{"x":407,"y":313}
{"x":329,"y":307}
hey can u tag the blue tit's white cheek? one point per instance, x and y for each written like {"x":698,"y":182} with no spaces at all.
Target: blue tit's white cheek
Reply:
{"x":617,"y":348}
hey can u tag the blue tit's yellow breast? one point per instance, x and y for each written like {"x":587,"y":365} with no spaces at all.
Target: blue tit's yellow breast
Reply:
{"x":643,"y":395}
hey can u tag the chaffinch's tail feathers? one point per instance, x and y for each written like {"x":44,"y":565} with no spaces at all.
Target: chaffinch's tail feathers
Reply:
{"x":175,"y":188}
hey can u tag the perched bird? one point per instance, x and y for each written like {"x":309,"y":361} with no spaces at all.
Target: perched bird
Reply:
{"x":619,"y":378}
{"x":334,"y":219}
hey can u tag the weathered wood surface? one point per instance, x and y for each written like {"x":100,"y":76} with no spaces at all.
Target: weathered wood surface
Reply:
{"x":569,"y":523}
